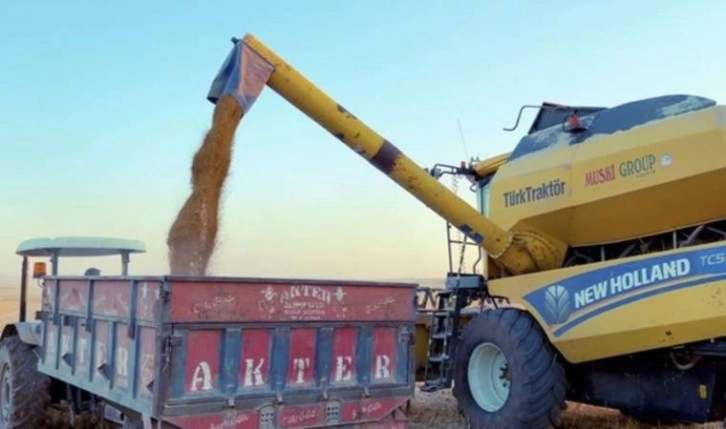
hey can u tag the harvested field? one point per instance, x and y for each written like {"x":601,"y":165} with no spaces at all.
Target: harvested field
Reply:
{"x":438,"y":410}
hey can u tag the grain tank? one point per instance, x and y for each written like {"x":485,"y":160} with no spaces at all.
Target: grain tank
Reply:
{"x":591,"y":176}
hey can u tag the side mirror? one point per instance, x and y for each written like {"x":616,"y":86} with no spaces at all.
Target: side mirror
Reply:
{"x":39,"y":270}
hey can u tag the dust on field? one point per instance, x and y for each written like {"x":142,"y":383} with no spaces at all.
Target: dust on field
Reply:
{"x":438,"y":411}
{"x":192,"y":236}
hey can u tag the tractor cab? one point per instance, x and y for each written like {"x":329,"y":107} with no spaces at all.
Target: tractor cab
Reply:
{"x":71,"y":247}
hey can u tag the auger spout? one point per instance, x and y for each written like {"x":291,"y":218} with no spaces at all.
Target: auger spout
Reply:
{"x":251,"y":65}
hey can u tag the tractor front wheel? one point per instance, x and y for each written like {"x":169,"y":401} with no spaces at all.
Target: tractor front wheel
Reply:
{"x":507,"y":375}
{"x":24,"y":392}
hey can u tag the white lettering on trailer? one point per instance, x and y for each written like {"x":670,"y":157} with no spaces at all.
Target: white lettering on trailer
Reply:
{"x":385,"y":303}
{"x":306,"y":291}
{"x":300,"y":365}
{"x":343,"y":368}
{"x":300,"y":417}
{"x":147,"y":370}
{"x":82,"y":348}
{"x":253,"y":373}
{"x":202,"y":374}
{"x":101,"y":352}
{"x":383,"y":370}
{"x":122,"y":359}
{"x":65,"y":342}
{"x":50,"y":341}
{"x":633,"y":279}
{"x":300,"y":302}
{"x":231,"y":423}
{"x":366,"y":410}
{"x":373,"y":406}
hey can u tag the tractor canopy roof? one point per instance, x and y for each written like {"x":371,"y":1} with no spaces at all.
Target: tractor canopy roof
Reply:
{"x":79,"y":247}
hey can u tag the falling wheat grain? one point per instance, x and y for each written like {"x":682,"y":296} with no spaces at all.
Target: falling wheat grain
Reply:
{"x":192,"y":236}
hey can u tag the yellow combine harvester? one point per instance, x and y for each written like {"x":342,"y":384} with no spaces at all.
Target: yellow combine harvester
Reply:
{"x":603,"y":230}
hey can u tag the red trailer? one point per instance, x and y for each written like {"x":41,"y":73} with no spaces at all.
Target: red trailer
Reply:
{"x":218,"y":352}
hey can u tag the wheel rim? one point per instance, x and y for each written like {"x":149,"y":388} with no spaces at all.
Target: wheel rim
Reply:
{"x":489,"y":377}
{"x":6,"y":389}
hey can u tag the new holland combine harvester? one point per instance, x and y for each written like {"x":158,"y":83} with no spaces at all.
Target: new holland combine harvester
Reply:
{"x":604,"y":228}
{"x":604,"y":278}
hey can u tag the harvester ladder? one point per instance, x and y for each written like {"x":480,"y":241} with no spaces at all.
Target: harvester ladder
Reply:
{"x":444,"y":330}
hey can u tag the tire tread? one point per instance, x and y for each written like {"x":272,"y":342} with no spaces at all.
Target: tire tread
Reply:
{"x":542,"y":392}
{"x":31,"y":389}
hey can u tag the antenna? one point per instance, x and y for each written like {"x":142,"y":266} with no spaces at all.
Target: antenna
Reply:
{"x":463,"y":140}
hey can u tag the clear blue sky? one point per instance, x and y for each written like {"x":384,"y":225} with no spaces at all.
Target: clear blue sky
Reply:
{"x":102,"y":105}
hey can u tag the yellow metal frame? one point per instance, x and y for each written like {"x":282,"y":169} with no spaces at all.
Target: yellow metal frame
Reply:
{"x":629,"y":305}
{"x":518,"y":253}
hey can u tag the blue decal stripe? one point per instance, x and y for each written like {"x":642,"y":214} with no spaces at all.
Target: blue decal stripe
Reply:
{"x":466,"y":229}
{"x":559,"y":301}
{"x":570,"y":325}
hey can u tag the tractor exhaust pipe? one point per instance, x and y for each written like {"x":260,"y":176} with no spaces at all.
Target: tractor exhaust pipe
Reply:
{"x":250,"y":65}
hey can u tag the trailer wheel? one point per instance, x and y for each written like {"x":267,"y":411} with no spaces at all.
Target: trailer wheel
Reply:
{"x":507,"y":375}
{"x":24,"y":392}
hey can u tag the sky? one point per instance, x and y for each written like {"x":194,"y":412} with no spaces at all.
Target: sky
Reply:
{"x":103,"y":104}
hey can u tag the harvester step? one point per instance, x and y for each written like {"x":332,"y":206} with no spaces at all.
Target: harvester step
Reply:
{"x":431,"y":386}
{"x":439,"y":358}
{"x":441,"y":335}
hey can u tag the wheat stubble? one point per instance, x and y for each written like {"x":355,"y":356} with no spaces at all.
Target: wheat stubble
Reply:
{"x":192,"y":236}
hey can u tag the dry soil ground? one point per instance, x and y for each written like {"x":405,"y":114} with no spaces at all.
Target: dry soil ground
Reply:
{"x":438,"y":410}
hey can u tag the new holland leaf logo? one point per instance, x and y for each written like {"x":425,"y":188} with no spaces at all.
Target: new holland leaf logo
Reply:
{"x":557,"y":304}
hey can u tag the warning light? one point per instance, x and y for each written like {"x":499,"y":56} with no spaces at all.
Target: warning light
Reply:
{"x":573,"y":121}
{"x":573,"y":124}
{"x":38,"y":270}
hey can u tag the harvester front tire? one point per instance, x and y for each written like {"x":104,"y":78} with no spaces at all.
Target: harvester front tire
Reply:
{"x":24,"y":392}
{"x":534,"y":382}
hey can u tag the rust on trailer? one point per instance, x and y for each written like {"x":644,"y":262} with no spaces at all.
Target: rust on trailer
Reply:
{"x":246,"y":352}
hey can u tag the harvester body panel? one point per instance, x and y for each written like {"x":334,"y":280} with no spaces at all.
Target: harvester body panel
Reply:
{"x":631,"y":305}
{"x":618,"y":185}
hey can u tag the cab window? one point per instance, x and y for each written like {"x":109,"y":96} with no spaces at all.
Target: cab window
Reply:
{"x":483,"y":194}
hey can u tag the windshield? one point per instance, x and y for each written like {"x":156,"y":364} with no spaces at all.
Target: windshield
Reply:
{"x":482,"y":196}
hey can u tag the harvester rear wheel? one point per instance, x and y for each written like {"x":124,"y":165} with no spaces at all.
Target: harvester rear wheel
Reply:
{"x":24,"y":392}
{"x":507,"y":375}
